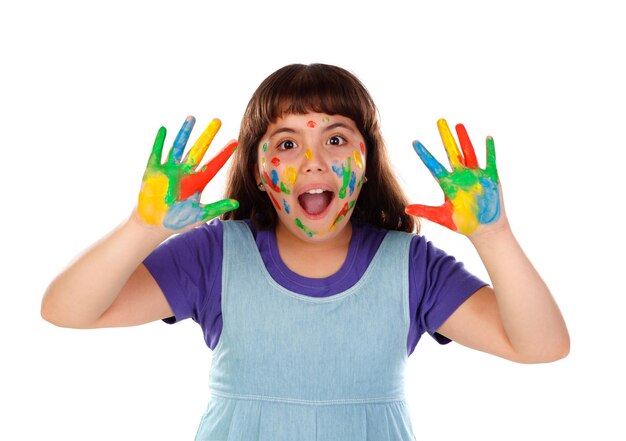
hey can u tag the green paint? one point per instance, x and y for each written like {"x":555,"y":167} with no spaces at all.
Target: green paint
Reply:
{"x":347,"y":171}
{"x":304,"y":228}
{"x":265,"y":146}
{"x":284,"y":188}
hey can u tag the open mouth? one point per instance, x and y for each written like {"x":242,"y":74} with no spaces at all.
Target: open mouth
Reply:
{"x":315,"y":202}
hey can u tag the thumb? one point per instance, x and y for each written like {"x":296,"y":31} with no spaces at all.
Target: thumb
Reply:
{"x":441,"y":215}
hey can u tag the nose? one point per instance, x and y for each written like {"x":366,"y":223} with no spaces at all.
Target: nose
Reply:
{"x":315,"y":161}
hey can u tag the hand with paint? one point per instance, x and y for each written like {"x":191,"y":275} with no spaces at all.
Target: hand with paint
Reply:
{"x":170,"y":192}
{"x":472,"y":194}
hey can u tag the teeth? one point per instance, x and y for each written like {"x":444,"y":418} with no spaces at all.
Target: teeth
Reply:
{"x":316,"y":191}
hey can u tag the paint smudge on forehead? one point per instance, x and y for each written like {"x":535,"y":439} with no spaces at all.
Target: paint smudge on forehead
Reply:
{"x":311,"y":124}
{"x":325,"y":119}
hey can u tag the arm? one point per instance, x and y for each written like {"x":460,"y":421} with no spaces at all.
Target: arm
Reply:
{"x":518,"y":318}
{"x":108,"y":285}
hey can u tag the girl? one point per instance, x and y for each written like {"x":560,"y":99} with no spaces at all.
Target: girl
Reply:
{"x":312,"y":290}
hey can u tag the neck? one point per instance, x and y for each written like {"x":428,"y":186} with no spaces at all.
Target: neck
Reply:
{"x":313,"y":259}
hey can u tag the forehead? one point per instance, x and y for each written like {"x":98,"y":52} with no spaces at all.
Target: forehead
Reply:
{"x":311,"y":120}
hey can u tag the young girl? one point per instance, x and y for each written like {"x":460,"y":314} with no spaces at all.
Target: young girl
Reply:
{"x":313,"y":289}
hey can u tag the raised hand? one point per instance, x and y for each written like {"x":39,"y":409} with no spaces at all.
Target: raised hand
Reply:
{"x":170,"y":192}
{"x":472,"y":194}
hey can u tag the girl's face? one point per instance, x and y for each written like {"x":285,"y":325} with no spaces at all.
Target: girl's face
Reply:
{"x":312,"y":167}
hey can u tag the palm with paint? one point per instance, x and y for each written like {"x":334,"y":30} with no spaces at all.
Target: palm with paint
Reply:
{"x":472,"y":194}
{"x":170,"y":192}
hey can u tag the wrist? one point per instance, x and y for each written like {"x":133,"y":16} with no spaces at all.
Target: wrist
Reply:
{"x":154,"y":234}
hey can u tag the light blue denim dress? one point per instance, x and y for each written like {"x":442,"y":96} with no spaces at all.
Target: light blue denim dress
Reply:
{"x":292,"y":367}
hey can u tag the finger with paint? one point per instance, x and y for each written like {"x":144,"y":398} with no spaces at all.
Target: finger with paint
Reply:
{"x":170,"y":191}
{"x":472,"y":194}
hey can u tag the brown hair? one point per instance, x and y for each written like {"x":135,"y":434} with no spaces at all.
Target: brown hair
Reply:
{"x":299,"y":89}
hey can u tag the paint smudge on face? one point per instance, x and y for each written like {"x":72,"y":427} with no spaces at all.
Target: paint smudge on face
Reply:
{"x":311,"y":124}
{"x":342,"y":213}
{"x":291,"y":175}
{"x":284,"y":188}
{"x":358,"y":159}
{"x":308,"y":153}
{"x":267,"y":180}
{"x":265,"y":146}
{"x":304,"y":228}
{"x":347,"y":178}
{"x":325,"y":119}
{"x":274,"y":201}
{"x":275,"y":162}
{"x":263,"y":163}
{"x":274,"y":176}
{"x":286,"y":206}
{"x":362,"y":146}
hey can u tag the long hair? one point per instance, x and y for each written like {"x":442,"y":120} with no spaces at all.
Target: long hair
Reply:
{"x":321,"y":88}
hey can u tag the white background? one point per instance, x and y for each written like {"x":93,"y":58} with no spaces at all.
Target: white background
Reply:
{"x":85,"y":86}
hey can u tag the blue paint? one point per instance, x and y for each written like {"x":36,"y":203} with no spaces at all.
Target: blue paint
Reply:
{"x":489,"y":202}
{"x":352,"y":183}
{"x":274,"y":178}
{"x":286,"y":206}
{"x":181,"y":139}
{"x":338,"y":168}
{"x":437,"y":170}
{"x":184,"y":213}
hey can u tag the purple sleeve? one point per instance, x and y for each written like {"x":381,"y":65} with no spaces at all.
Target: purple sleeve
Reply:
{"x":438,"y":285}
{"x":188,"y":269}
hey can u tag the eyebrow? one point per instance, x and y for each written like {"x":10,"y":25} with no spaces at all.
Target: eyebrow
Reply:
{"x":338,"y":125}
{"x":283,"y":130}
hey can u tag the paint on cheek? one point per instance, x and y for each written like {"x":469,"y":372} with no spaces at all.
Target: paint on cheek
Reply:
{"x":265,"y":146}
{"x":269,"y":181}
{"x":274,"y":201}
{"x":342,"y":213}
{"x":352,"y":182}
{"x":337,"y":168}
{"x":308,"y":154}
{"x":311,"y":124}
{"x":291,"y":175}
{"x":274,"y":178}
{"x":362,"y":146}
{"x":347,"y":178}
{"x":304,"y":228}
{"x":358,"y":159}
{"x":284,"y":188}
{"x":286,"y":207}
{"x":275,"y":162}
{"x":263,"y":163}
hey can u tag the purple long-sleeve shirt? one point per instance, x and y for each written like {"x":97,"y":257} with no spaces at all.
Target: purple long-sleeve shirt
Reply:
{"x":188,"y":269}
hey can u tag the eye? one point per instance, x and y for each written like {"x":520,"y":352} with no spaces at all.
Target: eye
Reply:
{"x":286,"y":145}
{"x":336,"y":140}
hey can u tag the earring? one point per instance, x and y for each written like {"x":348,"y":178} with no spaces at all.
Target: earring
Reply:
{"x":364,"y":179}
{"x":260,"y":186}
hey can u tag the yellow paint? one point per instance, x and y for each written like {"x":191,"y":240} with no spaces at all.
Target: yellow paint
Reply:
{"x":152,"y":206}
{"x":358,"y":159}
{"x":291,"y":175}
{"x":465,"y":210}
{"x":309,"y":154}
{"x":202,"y":144}
{"x":263,"y":163}
{"x":454,"y":155}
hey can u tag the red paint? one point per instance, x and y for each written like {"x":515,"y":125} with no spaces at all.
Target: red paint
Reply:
{"x":342,"y":212}
{"x":311,"y":124}
{"x":275,"y":162}
{"x":467,"y":147}
{"x":274,"y":201}
{"x":362,"y":148}
{"x":441,"y":215}
{"x":269,"y":182}
{"x":194,"y":183}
